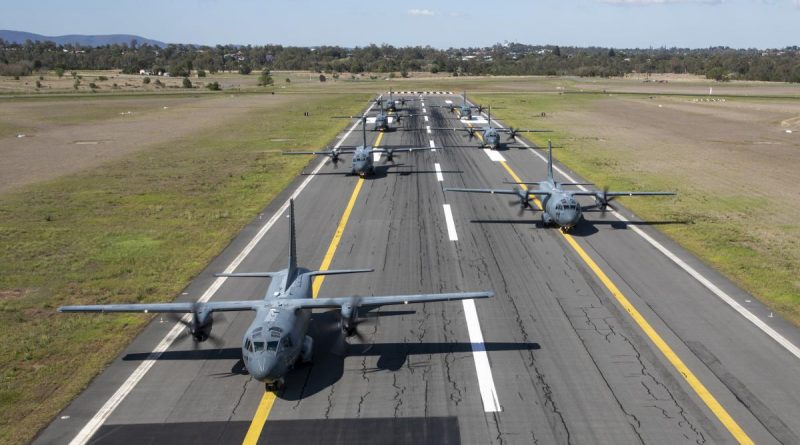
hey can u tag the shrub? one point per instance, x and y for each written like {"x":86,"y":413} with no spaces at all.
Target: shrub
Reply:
{"x":60,"y":72}
{"x":102,"y":78}
{"x":187,"y":83}
{"x":213,"y":86}
{"x":201,"y":73}
{"x":146,"y":80}
{"x":322,"y":78}
{"x":245,"y":69}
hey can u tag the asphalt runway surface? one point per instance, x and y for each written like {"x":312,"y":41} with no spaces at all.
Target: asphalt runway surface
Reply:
{"x":555,"y":357}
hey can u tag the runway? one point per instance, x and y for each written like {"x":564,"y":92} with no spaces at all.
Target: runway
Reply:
{"x":554,"y":357}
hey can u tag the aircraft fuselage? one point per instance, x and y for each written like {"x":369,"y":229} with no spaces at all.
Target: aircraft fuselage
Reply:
{"x":276,"y":339}
{"x":560,"y":207}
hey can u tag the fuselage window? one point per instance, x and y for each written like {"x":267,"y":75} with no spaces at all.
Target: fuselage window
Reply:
{"x":248,"y":345}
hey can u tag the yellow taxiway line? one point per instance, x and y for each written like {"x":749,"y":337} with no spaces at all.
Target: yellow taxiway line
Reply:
{"x":711,"y":402}
{"x":268,"y":399}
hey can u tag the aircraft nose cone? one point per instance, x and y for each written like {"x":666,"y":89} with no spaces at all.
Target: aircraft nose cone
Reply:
{"x":263,"y":368}
{"x":569,"y":218}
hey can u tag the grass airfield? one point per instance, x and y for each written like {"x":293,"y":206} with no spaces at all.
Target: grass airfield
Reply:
{"x":140,"y":215}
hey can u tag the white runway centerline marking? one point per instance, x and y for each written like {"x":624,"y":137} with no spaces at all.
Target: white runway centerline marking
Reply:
{"x":493,"y":155}
{"x":491,"y":403}
{"x":424,"y":111}
{"x":783,"y":341}
{"x":448,"y":101}
{"x":376,"y":157}
{"x":428,"y":127}
{"x":438,"y":169}
{"x":433,"y":146}
{"x":113,"y":402}
{"x":426,"y":118}
{"x":451,"y":225}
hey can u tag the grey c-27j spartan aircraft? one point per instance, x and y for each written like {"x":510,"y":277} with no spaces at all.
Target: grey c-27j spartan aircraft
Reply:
{"x":490,"y":136}
{"x":558,"y":205}
{"x":362,"y":163}
{"x":465,"y":109}
{"x":391,"y":103}
{"x":277,"y":339}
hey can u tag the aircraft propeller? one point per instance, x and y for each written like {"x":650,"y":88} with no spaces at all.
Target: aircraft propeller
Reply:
{"x":523,"y":200}
{"x":604,"y":201}
{"x":512,"y":132}
{"x":199,"y":327}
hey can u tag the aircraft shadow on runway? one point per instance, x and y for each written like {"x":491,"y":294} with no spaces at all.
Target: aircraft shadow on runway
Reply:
{"x":584,"y":228}
{"x":331,"y":349}
{"x":382,"y":171}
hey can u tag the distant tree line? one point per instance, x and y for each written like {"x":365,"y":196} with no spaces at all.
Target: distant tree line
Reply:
{"x":720,"y":63}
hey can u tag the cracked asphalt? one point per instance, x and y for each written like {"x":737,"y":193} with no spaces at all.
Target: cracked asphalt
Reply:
{"x":568,"y":363}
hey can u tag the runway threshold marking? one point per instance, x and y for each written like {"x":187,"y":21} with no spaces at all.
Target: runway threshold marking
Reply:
{"x":438,"y":169}
{"x":451,"y":225}
{"x":705,"y":282}
{"x":711,"y":402}
{"x":268,"y":399}
{"x":91,"y":427}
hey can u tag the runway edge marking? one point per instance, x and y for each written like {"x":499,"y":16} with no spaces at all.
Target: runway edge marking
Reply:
{"x":113,"y":402}
{"x":775,"y":335}
{"x":705,"y":395}
{"x":268,"y":398}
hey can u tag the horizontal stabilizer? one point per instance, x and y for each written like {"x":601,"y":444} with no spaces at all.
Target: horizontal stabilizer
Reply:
{"x":339,"y":272}
{"x":247,"y":275}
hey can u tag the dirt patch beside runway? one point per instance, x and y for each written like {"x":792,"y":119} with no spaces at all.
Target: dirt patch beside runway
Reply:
{"x":52,"y":138}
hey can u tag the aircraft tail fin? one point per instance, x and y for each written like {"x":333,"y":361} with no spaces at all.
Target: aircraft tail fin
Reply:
{"x":550,"y":160}
{"x":292,"y":268}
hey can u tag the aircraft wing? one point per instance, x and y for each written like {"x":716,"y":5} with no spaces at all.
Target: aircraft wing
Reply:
{"x":336,"y":302}
{"x":211,"y":306}
{"x":600,"y":193}
{"x":327,"y":153}
{"x":498,"y":191}
{"x":522,"y":130}
{"x":399,"y":150}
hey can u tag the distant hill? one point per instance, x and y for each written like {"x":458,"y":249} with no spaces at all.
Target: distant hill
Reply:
{"x":84,"y":40}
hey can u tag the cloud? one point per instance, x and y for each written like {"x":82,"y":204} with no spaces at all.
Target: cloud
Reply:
{"x":421,"y":12}
{"x":662,"y":2}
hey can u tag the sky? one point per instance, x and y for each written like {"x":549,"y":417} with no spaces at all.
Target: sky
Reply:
{"x":440,"y":24}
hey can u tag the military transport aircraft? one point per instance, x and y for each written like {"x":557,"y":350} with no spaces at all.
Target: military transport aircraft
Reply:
{"x":383,"y":119}
{"x":489,"y":135}
{"x":559,"y":207}
{"x":391,"y":103}
{"x":465,"y":110}
{"x":277,"y":338}
{"x":362,"y":163}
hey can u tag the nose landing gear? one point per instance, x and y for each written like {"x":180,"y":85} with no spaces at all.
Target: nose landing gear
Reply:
{"x":275,"y":386}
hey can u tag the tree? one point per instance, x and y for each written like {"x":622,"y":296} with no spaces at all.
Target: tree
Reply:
{"x":404,"y":74}
{"x":213,"y":86}
{"x":76,"y":84}
{"x":201,"y":73}
{"x":611,"y":53}
{"x":187,"y":83}
{"x":265,"y":79}
{"x":60,"y":72}
{"x":322,"y":78}
{"x":245,"y":69}
{"x":146,"y":80}
{"x":557,"y":51}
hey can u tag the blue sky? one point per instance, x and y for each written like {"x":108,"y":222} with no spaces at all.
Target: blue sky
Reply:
{"x":441,"y":24}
